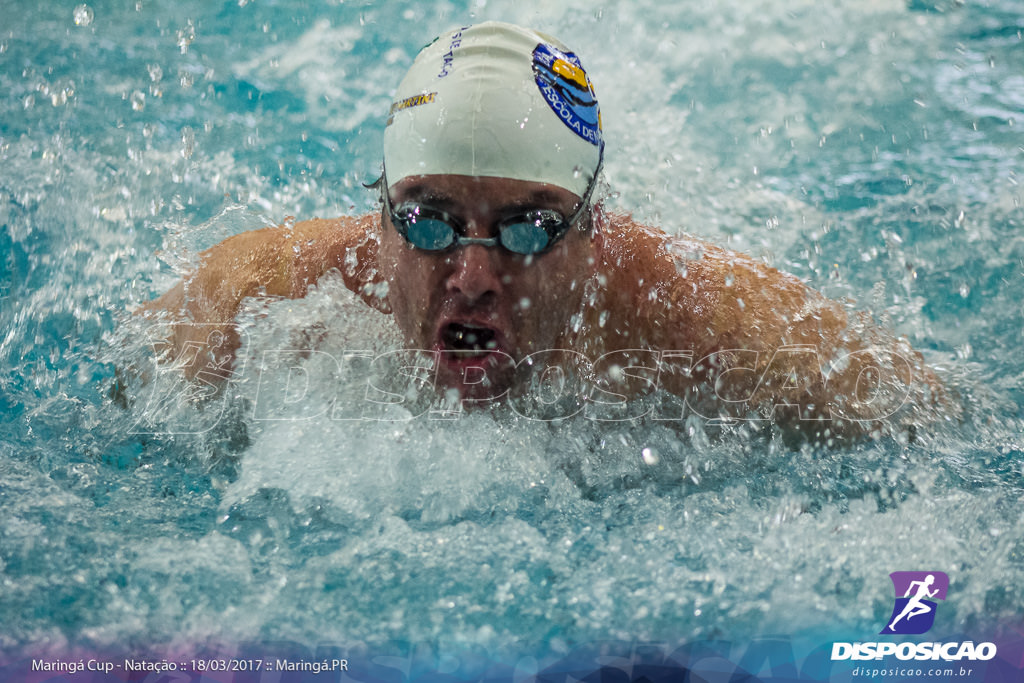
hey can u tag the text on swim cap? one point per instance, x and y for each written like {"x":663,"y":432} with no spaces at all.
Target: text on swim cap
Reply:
{"x":449,"y":57}
{"x":414,"y":101}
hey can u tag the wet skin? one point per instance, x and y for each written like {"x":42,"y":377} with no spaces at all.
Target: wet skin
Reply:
{"x":484,"y":307}
{"x":610,"y":286}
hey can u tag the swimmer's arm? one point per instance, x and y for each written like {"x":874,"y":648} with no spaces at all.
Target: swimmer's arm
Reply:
{"x":822,"y":370}
{"x":789,"y":353}
{"x":281,"y":261}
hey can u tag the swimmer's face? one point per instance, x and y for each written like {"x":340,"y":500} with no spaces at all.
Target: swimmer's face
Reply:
{"x":484,"y":307}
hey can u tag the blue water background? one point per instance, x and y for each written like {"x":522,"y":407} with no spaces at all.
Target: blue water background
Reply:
{"x":872,"y":148}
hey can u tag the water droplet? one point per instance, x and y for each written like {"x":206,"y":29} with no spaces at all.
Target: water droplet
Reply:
{"x":351,"y":261}
{"x":138,"y":100}
{"x":83,"y":15}
{"x":186,"y":35}
{"x":59,"y":93}
{"x":681,"y":267}
{"x":576,"y":322}
{"x":188,"y":142}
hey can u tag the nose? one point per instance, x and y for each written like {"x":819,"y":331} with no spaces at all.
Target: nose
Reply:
{"x":475,"y":273}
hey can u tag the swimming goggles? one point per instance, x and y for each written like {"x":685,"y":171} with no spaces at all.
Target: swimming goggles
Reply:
{"x":532,"y":232}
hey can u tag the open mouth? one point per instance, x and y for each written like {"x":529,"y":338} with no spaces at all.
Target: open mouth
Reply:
{"x":469,"y":341}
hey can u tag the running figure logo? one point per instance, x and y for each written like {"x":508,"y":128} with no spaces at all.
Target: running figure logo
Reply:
{"x":914,"y":611}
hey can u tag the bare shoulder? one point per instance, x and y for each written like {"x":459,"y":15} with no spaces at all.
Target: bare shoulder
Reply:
{"x":316,"y":246}
{"x":281,"y":261}
{"x":758,"y":328}
{"x":686,"y":291}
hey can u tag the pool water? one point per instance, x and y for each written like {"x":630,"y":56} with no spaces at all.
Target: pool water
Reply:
{"x":873,"y":149}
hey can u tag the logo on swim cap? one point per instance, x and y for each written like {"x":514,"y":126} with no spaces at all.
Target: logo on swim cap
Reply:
{"x":568,"y":91}
{"x":914,"y":610}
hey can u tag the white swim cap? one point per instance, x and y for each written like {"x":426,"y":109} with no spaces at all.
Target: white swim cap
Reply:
{"x":495,"y":100}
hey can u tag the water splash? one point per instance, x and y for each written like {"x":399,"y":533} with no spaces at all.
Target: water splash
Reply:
{"x":83,"y":15}
{"x":489,"y":528}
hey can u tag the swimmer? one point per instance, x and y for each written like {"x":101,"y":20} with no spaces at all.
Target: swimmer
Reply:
{"x":492,"y":244}
{"x":915,"y":606}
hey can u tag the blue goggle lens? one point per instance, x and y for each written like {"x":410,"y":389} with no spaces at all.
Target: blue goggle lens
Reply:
{"x":432,"y":234}
{"x":525,"y":237}
{"x":434,"y":230}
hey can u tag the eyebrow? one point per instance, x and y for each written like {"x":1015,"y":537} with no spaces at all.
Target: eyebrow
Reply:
{"x":424,"y":194}
{"x":538,"y":199}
